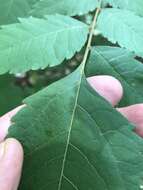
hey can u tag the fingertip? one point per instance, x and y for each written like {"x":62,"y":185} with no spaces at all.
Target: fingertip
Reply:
{"x":12,"y":154}
{"x":134,"y":114}
{"x":108,"y":87}
{"x":11,"y":160}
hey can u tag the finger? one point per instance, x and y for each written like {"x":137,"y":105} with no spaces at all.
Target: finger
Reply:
{"x":11,"y":159}
{"x":5,"y":122}
{"x":134,"y":114}
{"x":108,"y":87}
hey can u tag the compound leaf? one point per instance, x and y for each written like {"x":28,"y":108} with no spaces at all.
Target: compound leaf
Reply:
{"x":66,"y":7}
{"x":135,"y":6}
{"x":123,"y":27}
{"x":10,"y":10}
{"x":68,"y":140}
{"x":37,"y":43}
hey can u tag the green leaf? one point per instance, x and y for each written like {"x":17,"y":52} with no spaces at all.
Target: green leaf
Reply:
{"x":10,"y":10}
{"x":121,"y":64}
{"x":37,"y":43}
{"x":73,"y":139}
{"x":135,"y":6}
{"x":123,"y":27}
{"x":66,"y":7}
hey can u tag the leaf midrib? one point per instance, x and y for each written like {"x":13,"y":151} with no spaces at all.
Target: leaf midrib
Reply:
{"x":70,"y":129}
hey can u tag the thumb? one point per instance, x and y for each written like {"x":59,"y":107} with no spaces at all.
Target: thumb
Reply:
{"x":11,"y":158}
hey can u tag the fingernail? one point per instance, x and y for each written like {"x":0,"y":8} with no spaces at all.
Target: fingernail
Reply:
{"x":2,"y":149}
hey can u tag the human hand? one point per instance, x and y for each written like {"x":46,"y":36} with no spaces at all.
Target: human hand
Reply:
{"x":11,"y":153}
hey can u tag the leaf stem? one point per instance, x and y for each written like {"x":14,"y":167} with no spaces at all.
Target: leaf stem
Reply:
{"x":92,"y":27}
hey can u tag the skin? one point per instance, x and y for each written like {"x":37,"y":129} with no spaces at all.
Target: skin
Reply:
{"x":11,"y":152}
